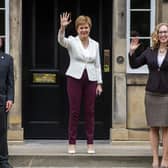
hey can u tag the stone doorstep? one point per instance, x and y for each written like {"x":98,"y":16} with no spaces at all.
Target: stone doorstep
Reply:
{"x":79,"y":167}
{"x":80,"y":162}
{"x":50,"y":153}
{"x":59,"y":148}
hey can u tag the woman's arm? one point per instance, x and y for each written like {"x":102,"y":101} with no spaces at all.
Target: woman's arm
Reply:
{"x":136,"y":54}
{"x":99,"y":88}
{"x":64,"y":22}
{"x":98,"y":66}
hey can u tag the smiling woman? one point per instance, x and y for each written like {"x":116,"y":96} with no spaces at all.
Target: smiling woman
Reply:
{"x":83,"y":25}
{"x":44,"y":95}
{"x":84,"y":76}
{"x":156,"y":97}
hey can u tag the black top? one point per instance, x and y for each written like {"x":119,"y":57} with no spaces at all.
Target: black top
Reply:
{"x":158,"y":77}
{"x":6,"y":76}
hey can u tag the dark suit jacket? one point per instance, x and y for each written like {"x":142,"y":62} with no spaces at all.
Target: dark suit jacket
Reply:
{"x":6,"y":78}
{"x":158,"y":77}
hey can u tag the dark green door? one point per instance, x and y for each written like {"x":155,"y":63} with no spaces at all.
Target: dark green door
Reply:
{"x":45,"y":102}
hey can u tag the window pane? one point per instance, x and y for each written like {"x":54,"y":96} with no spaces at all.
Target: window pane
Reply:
{"x":140,"y":22}
{"x":140,"y":4}
{"x":146,"y":42}
{"x":2,"y":22}
{"x":2,"y":3}
{"x":3,"y":44}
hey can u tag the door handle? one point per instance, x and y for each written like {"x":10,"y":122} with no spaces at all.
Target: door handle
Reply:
{"x":106,"y":65}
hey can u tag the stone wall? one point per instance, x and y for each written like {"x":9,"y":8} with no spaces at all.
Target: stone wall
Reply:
{"x":128,"y":114}
{"x":129,"y":121}
{"x":119,"y":117}
{"x":15,"y":118}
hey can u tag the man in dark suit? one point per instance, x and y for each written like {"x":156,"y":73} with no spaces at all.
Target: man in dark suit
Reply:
{"x":6,"y":102}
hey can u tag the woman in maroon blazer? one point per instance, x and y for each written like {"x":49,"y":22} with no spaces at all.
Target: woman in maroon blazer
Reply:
{"x":156,"y":96}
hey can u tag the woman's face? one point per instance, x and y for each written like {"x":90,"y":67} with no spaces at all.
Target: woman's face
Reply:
{"x":163,"y":34}
{"x":83,"y":31}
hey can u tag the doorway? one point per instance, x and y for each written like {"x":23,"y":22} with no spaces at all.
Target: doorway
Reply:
{"x":44,"y":62}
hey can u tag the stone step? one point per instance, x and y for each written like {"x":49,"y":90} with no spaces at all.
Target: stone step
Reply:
{"x":75,"y":167}
{"x":53,"y":154}
{"x":80,"y":161}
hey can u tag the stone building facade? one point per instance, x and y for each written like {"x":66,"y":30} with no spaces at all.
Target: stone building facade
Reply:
{"x":128,"y":88}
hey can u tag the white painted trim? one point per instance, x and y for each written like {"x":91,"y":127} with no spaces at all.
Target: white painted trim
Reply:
{"x":7,"y":27}
{"x":144,"y":69}
{"x":143,"y":10}
{"x":153,"y":12}
{"x":127,"y":33}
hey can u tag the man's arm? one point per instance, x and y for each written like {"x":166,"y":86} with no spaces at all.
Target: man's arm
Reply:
{"x":10,"y":85}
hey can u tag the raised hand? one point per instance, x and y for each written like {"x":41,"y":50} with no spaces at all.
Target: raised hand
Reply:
{"x":65,"y":19}
{"x":134,"y":44}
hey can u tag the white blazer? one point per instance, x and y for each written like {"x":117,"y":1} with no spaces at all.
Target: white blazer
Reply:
{"x":81,"y":58}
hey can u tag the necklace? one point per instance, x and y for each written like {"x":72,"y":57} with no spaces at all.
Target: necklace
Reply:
{"x":162,"y":50}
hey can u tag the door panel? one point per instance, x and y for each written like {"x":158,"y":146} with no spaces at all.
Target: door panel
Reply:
{"x":45,"y":102}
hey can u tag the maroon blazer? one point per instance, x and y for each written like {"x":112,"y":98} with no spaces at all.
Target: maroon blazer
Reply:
{"x":158,"y":77}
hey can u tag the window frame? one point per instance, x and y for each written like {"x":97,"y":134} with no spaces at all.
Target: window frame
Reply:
{"x":7,"y":29}
{"x":7,"y":26}
{"x":143,"y":69}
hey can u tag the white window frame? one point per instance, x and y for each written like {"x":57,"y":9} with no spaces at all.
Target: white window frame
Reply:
{"x":7,"y":31}
{"x":143,"y":69}
{"x":6,"y":35}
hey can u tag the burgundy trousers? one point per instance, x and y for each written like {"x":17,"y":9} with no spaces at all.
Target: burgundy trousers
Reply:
{"x":81,"y":90}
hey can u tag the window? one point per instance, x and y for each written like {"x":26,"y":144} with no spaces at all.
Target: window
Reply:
{"x":140,"y":18}
{"x":4,"y":23}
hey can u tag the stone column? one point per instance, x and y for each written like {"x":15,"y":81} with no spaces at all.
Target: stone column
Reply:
{"x":164,"y":7}
{"x":119,"y":120}
{"x":15,"y":118}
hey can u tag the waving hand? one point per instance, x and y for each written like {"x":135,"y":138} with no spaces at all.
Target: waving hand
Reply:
{"x":134,"y":44}
{"x":65,"y":19}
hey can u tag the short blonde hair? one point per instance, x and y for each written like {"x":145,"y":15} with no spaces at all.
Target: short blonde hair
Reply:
{"x":155,"y":38}
{"x":82,"y":19}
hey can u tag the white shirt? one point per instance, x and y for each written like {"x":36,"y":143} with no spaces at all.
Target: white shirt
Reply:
{"x":82,"y":58}
{"x":160,"y":58}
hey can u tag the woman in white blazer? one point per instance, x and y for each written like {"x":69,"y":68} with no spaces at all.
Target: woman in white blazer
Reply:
{"x":84,"y":77}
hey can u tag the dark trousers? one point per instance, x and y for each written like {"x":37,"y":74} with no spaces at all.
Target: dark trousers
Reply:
{"x":81,"y":90}
{"x":3,"y":135}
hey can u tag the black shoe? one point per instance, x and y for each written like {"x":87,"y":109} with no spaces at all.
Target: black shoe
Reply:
{"x":5,"y":165}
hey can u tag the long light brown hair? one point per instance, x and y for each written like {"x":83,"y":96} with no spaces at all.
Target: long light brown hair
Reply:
{"x":155,"y":38}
